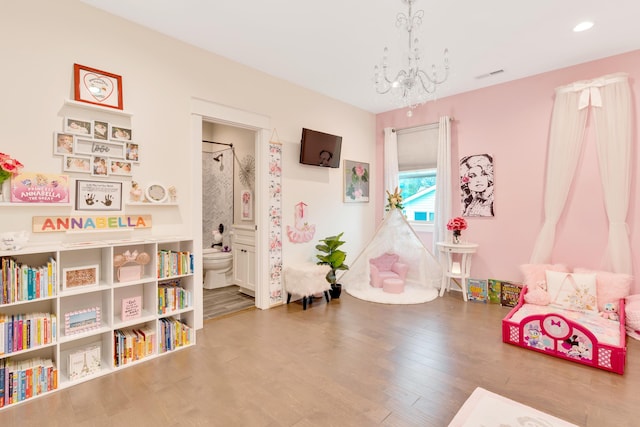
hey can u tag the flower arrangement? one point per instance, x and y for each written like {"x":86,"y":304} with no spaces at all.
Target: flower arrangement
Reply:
{"x":394,"y":200}
{"x":456,"y":225}
{"x":8,"y":167}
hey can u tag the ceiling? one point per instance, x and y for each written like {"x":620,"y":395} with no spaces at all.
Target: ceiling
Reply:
{"x":331,"y":46}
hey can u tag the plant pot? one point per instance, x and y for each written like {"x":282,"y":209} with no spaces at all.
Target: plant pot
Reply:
{"x":335,"y":291}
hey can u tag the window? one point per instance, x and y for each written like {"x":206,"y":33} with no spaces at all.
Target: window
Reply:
{"x":417,"y":163}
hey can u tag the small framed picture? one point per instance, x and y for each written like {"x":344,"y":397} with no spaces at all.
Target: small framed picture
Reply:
{"x":97,"y":87}
{"x":99,"y":166}
{"x":356,"y":182}
{"x":82,"y":320}
{"x":132,"y":152}
{"x":246,"y":199}
{"x":76,"y":277}
{"x":80,"y":164}
{"x":98,"y":195}
{"x":63,"y":143}
{"x":78,"y":126}
{"x":120,"y":134}
{"x":120,"y":167}
{"x":100,"y":130}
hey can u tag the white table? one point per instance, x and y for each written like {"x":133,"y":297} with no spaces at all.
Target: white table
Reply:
{"x":457,"y":265}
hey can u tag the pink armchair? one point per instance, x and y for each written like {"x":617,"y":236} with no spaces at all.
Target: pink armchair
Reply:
{"x":386,"y":266}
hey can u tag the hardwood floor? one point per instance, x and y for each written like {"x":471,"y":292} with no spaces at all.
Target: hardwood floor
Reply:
{"x":345,"y":363}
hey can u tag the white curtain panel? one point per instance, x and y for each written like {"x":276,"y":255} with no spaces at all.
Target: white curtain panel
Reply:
{"x":443,"y":183}
{"x":390,"y":160}
{"x":611,"y":106}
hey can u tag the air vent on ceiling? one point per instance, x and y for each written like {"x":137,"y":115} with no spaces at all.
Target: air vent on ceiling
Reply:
{"x":489,"y":74}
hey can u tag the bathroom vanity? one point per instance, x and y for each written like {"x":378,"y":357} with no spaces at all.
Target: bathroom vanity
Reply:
{"x":244,"y":258}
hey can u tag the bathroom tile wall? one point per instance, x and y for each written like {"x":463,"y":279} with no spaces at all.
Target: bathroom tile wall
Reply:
{"x":217,"y":195}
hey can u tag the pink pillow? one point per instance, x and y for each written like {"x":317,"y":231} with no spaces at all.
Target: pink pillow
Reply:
{"x":611,"y":287}
{"x":536,"y":273}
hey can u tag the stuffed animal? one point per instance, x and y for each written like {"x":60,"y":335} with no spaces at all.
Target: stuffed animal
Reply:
{"x":610,"y":311}
{"x":538,"y":294}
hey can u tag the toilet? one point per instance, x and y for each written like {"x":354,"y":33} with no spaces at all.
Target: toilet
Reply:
{"x":217,"y":266}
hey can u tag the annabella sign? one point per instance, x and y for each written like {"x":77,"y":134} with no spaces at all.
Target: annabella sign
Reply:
{"x":48,"y":224}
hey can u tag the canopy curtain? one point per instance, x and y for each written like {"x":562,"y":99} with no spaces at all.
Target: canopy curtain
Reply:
{"x":443,"y":183}
{"x":390,"y":160}
{"x":610,"y":98}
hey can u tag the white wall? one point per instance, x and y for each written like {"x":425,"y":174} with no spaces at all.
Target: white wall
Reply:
{"x":41,"y":40}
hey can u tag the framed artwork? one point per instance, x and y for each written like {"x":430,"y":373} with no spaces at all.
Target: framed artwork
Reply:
{"x":120,"y":134}
{"x":99,"y":166}
{"x":82,"y":320}
{"x":78,"y":126}
{"x":100,"y":130}
{"x":80,"y":164}
{"x":246,"y":203}
{"x":76,"y":277}
{"x":35,"y":187}
{"x":476,"y":185}
{"x":120,"y":167}
{"x":132,"y":152}
{"x":97,"y":87}
{"x":62,"y":143}
{"x":356,"y":182}
{"x":98,"y":195}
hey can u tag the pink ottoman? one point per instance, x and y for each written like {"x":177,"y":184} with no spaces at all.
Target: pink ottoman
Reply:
{"x":393,"y":286}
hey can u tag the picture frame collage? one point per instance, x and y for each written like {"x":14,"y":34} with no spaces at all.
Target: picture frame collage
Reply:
{"x":96,"y":147}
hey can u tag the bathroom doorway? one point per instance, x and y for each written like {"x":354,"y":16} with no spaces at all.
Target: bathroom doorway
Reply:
{"x":228,"y":172}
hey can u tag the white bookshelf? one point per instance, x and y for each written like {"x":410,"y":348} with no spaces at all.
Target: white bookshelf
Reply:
{"x":106,"y":295}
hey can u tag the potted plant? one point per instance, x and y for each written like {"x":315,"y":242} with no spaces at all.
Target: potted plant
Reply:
{"x":334,"y":258}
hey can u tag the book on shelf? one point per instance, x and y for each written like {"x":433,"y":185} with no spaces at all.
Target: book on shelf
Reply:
{"x":477,"y":290}
{"x":510,"y":293}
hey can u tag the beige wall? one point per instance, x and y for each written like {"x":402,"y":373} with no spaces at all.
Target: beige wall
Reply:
{"x":41,"y":40}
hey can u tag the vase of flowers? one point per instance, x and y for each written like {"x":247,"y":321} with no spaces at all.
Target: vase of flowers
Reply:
{"x":456,"y":225}
{"x":9,"y":167}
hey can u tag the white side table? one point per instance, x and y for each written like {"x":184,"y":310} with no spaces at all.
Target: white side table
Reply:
{"x":456,"y":269}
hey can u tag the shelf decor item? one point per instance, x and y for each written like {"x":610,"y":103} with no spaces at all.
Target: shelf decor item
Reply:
{"x":9,"y":167}
{"x":77,"y":277}
{"x":84,"y":361}
{"x":97,"y":87}
{"x":131,"y":308}
{"x":130,"y":265}
{"x":98,"y":195}
{"x":456,"y":225}
{"x":82,"y":320}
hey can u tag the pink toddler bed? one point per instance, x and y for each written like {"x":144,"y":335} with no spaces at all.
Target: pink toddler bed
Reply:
{"x":585,"y":338}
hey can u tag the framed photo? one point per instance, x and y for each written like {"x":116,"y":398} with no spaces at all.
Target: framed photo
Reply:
{"x":99,"y":166}
{"x":120,"y":167}
{"x":78,"y":126}
{"x":356,"y":182}
{"x":77,"y":277}
{"x":98,"y":195}
{"x":100,"y":130}
{"x":132,"y":152}
{"x":97,"y":87}
{"x":63,"y":143}
{"x":120,"y":134}
{"x":92,"y":147}
{"x":82,"y":320}
{"x":246,"y":203}
{"x":80,"y":164}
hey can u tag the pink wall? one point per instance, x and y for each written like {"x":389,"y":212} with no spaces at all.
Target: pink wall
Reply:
{"x":511,"y":122}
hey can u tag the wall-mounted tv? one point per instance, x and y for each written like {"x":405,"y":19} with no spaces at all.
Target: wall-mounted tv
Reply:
{"x":320,"y":149}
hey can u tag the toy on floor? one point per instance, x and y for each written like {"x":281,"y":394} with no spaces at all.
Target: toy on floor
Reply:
{"x":610,"y":311}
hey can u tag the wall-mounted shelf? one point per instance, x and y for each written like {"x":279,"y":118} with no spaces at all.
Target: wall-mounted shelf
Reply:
{"x":151,"y":204}
{"x":35,"y":205}
{"x":73,"y":103}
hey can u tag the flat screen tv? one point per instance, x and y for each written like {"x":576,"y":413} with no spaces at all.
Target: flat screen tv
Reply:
{"x":320,"y":149}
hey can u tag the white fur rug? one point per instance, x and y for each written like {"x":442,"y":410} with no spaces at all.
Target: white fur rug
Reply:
{"x":487,"y":409}
{"x":411,"y":295}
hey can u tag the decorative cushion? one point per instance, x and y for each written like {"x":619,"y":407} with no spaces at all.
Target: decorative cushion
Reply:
{"x":572,"y":291}
{"x":611,"y":287}
{"x":534,"y":274}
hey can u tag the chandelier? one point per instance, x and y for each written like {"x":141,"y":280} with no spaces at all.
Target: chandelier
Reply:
{"x":412,"y":86}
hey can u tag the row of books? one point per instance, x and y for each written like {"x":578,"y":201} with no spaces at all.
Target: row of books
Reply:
{"x":22,"y":331}
{"x":172,"y":297}
{"x":20,"y":282}
{"x":133,"y":344}
{"x":171,"y":263}
{"x":494,"y":291}
{"x":173,"y":334}
{"x":20,"y":380}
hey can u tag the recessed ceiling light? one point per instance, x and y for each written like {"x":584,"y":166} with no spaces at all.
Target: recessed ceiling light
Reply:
{"x":583,"y":26}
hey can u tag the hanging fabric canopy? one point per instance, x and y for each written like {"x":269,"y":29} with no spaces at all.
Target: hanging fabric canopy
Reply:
{"x":395,"y":235}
